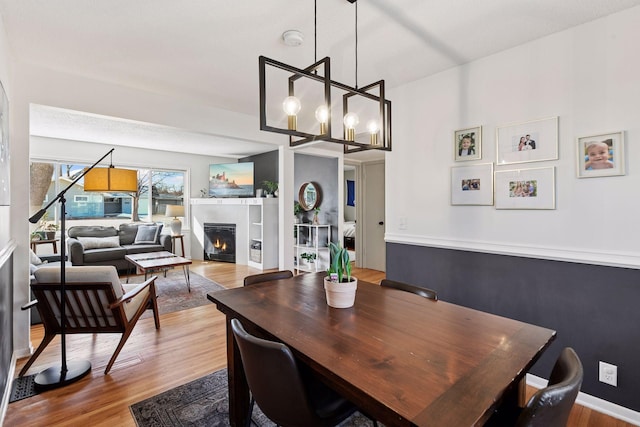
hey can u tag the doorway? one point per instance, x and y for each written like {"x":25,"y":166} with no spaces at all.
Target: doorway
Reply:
{"x":369,"y":247}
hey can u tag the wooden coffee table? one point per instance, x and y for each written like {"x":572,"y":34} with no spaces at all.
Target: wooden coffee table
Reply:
{"x":159,"y":261}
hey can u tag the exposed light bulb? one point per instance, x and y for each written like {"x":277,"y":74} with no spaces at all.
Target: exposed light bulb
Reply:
{"x":351,"y":120}
{"x":322,"y":116}
{"x":291,"y":106}
{"x":373,"y":128}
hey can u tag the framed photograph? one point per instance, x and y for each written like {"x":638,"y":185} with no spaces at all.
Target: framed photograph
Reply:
{"x":533,"y":141}
{"x":600,"y":155}
{"x":526,"y":189}
{"x":472,"y":185}
{"x":467,"y":144}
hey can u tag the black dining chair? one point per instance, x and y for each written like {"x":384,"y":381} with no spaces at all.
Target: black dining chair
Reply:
{"x":550,"y":406}
{"x":264,"y":277}
{"x":286,"y":394}
{"x":418,"y":290}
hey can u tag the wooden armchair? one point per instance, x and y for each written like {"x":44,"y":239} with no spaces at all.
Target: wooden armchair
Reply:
{"x":95,"y":302}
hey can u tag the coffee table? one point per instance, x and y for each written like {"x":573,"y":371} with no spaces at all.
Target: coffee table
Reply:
{"x":155,"y":261}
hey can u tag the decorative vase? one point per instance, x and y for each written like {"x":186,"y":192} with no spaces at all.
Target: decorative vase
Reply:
{"x":315,"y":221}
{"x":340,"y":295}
{"x":50,"y":235}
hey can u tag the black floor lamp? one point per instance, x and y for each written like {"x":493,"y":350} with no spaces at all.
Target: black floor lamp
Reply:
{"x":101,"y":179}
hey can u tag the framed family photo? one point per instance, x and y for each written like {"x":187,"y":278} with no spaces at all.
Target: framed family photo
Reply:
{"x":600,"y":155}
{"x":526,"y":189}
{"x":467,"y":144}
{"x":533,"y":141}
{"x":472,"y":185}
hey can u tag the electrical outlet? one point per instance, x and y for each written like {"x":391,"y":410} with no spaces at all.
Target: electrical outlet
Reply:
{"x":402,"y":223}
{"x":608,"y":374}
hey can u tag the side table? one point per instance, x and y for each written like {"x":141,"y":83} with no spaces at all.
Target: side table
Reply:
{"x":35,"y":243}
{"x":173,"y":243}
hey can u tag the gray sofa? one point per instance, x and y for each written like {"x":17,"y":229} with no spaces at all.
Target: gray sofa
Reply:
{"x":98,"y":245}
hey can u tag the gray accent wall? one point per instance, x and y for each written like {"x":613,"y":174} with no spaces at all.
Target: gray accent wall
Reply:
{"x":265,"y":167}
{"x":324,"y":172}
{"x":594,"y":309}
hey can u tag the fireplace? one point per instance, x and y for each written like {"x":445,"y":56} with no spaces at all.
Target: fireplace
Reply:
{"x":220,"y":242}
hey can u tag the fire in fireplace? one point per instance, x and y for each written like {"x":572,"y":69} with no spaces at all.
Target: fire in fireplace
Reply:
{"x":220,"y":242}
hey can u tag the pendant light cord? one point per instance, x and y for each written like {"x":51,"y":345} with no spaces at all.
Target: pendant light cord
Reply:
{"x":356,"y":44}
{"x":315,"y":32}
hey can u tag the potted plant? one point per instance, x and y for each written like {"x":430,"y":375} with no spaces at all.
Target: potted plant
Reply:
{"x":46,"y":229}
{"x":315,"y":220}
{"x":270,"y":187}
{"x":340,"y":287}
{"x":297,"y":210}
{"x":309,"y":257}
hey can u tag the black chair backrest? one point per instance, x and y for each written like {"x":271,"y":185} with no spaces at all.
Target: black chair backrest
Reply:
{"x":551,"y":406}
{"x":265,"y":277}
{"x":418,"y":290}
{"x":274,"y":379}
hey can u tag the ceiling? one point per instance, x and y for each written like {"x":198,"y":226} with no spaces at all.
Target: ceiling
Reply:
{"x":207,"y":50}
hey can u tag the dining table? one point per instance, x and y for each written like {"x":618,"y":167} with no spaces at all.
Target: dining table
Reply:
{"x":402,"y":359}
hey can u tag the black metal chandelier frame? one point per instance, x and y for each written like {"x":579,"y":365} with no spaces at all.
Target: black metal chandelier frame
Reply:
{"x":321,"y":72}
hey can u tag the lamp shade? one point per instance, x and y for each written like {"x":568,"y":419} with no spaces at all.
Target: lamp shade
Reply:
{"x":111,"y":179}
{"x":175,"y":210}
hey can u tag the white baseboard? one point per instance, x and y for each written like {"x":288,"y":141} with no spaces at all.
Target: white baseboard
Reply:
{"x":595,"y":403}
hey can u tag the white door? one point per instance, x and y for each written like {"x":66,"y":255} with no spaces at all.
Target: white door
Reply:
{"x":372,"y":213}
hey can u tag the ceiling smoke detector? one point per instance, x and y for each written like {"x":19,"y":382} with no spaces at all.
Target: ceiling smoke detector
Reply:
{"x":292,"y":38}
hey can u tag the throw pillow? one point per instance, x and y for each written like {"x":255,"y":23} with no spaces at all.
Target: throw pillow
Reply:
{"x":33,"y":258}
{"x":147,"y":235}
{"x":99,"y":242}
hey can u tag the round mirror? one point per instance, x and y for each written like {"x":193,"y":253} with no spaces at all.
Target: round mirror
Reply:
{"x":309,"y":196}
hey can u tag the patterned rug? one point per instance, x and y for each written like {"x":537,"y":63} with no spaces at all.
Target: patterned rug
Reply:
{"x":202,"y":402}
{"x":172,"y":290}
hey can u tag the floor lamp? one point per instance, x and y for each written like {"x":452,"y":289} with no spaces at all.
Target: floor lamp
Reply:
{"x":68,"y":372}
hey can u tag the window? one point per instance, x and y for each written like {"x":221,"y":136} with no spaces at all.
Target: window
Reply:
{"x":48,"y":179}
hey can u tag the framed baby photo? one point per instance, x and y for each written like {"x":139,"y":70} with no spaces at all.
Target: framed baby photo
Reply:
{"x":526,"y":189}
{"x":600,"y":155}
{"x":472,"y":185}
{"x":467,"y":144}
{"x":533,"y":141}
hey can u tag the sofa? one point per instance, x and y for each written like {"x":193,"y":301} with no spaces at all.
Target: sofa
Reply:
{"x":99,"y":245}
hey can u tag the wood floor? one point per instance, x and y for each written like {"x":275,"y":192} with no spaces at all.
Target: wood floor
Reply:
{"x":189,"y":345}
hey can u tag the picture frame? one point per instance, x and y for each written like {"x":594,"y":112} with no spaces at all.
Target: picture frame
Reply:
{"x":472,"y":185}
{"x":532,"y":141}
{"x":472,"y":137}
{"x":525,"y":188}
{"x":591,"y":163}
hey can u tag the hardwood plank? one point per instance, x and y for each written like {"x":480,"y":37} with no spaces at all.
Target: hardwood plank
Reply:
{"x":190,"y":344}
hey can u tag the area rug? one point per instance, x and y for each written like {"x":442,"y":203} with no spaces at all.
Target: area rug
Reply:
{"x":202,"y":402}
{"x":172,"y":290}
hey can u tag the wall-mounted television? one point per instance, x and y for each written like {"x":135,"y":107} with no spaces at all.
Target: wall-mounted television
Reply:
{"x":231,"y":180}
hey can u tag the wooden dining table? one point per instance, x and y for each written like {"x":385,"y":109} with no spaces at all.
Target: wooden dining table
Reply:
{"x":402,"y":359}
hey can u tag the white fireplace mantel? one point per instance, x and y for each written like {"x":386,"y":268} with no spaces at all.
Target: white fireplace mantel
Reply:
{"x":255,"y":219}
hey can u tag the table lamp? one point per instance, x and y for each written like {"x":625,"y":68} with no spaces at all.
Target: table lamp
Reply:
{"x":176,"y":225}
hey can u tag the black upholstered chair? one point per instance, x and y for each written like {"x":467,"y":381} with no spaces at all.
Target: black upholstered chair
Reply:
{"x":550,"y":406}
{"x":265,"y":277}
{"x":418,"y":290}
{"x":287,"y":394}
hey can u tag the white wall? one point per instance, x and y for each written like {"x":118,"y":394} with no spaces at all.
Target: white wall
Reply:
{"x":587,"y":76}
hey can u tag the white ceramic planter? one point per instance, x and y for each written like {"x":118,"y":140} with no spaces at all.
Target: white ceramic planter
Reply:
{"x":340,"y":295}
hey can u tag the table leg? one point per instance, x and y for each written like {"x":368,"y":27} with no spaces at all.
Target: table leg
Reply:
{"x":238,"y":388}
{"x":185,"y":269}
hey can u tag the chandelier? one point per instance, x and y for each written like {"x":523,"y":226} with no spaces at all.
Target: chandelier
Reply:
{"x":309,"y":103}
